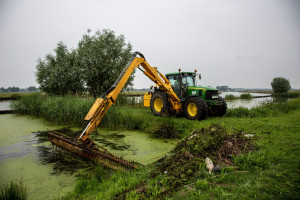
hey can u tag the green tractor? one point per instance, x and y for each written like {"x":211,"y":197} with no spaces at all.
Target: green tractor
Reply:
{"x":196,"y":102}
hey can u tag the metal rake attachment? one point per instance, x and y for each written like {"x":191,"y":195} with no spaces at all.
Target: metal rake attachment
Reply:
{"x":95,"y":154}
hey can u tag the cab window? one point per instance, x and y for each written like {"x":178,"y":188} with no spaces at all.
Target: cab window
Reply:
{"x":188,"y":80}
{"x":174,"y":80}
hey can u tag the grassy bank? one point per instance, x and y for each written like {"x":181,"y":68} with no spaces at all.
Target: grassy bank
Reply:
{"x":266,"y":109}
{"x":14,"y":95}
{"x":128,"y":115}
{"x":270,"y":171}
{"x":293,"y":94}
{"x":72,"y":110}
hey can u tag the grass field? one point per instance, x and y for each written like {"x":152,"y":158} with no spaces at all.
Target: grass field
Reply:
{"x":269,"y":171}
{"x":13,"y":95}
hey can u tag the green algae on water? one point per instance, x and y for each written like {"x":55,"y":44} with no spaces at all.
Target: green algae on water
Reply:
{"x":135,"y":145}
{"x":20,"y":158}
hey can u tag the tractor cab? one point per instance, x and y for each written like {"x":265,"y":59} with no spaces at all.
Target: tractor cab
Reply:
{"x":180,"y":82}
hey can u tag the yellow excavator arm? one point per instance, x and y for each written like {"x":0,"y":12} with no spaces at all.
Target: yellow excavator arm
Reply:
{"x":102,"y":105}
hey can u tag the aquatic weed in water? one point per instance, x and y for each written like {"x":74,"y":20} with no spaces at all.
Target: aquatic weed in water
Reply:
{"x":245,"y":96}
{"x":13,"y":191}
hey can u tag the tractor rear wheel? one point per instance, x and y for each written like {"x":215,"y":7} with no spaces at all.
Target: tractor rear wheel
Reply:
{"x":195,"y":108}
{"x":158,"y":103}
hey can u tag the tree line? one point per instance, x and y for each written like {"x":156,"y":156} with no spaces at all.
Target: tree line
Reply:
{"x":278,"y":84}
{"x":17,"y":89}
{"x":92,"y":67}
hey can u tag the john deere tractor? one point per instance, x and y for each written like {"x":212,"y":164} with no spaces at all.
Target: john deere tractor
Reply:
{"x":195,"y":102}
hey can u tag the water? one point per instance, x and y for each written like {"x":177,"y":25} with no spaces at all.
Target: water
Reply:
{"x":247,"y":103}
{"x":4,"y":105}
{"x":23,"y":155}
{"x":237,"y":94}
{"x":135,"y":99}
{"x":48,"y":172}
{"x":135,"y":145}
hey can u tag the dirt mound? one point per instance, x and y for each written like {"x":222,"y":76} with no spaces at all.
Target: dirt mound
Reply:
{"x":213,"y":142}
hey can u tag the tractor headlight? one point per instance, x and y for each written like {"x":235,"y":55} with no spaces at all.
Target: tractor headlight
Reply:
{"x":215,"y":96}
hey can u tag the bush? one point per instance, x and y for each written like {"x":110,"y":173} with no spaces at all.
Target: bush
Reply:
{"x":280,"y":85}
{"x":245,"y":96}
{"x":230,"y":97}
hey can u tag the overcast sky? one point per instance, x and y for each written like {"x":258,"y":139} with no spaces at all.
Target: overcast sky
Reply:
{"x":239,"y":43}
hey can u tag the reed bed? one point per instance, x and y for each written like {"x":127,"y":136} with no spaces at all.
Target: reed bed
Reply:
{"x":13,"y":191}
{"x":287,"y":95}
{"x":230,"y":97}
{"x":264,"y":109}
{"x":245,"y":96}
{"x":61,"y":110}
{"x":71,"y":111}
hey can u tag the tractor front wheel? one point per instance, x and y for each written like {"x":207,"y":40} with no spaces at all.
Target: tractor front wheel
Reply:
{"x":220,"y":110}
{"x":159,"y":104}
{"x":195,"y":108}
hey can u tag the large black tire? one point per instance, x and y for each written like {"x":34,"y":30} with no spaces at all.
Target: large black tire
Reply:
{"x":195,"y":108}
{"x":159,"y":100}
{"x":166,"y":111}
{"x":219,"y":111}
{"x":223,"y":108}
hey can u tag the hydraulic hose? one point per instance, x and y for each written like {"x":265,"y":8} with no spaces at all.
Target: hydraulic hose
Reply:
{"x":138,"y":53}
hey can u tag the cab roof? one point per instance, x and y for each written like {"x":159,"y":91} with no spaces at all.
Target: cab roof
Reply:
{"x":176,"y":73}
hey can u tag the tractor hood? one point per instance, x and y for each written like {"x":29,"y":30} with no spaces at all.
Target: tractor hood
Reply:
{"x":207,"y":93}
{"x":202,"y":88}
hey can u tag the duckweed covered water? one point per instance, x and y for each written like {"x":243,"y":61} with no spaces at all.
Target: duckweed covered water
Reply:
{"x":48,"y":172}
{"x":24,"y":155}
{"x":135,"y":145}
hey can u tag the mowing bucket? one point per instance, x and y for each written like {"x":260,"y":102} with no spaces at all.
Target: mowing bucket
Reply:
{"x":98,"y":155}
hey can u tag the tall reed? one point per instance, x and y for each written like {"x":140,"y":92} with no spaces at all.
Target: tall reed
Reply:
{"x":13,"y":191}
{"x":264,"y":109}
{"x":245,"y":96}
{"x":72,"y":110}
{"x":61,"y":110}
{"x":230,"y":97}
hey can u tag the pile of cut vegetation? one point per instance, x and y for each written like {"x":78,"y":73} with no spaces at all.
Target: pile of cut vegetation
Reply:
{"x":213,"y":142}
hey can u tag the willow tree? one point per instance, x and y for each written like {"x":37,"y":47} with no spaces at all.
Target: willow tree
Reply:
{"x":93,"y":66}
{"x":60,"y":74}
{"x":280,"y":85}
{"x":102,"y":57}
